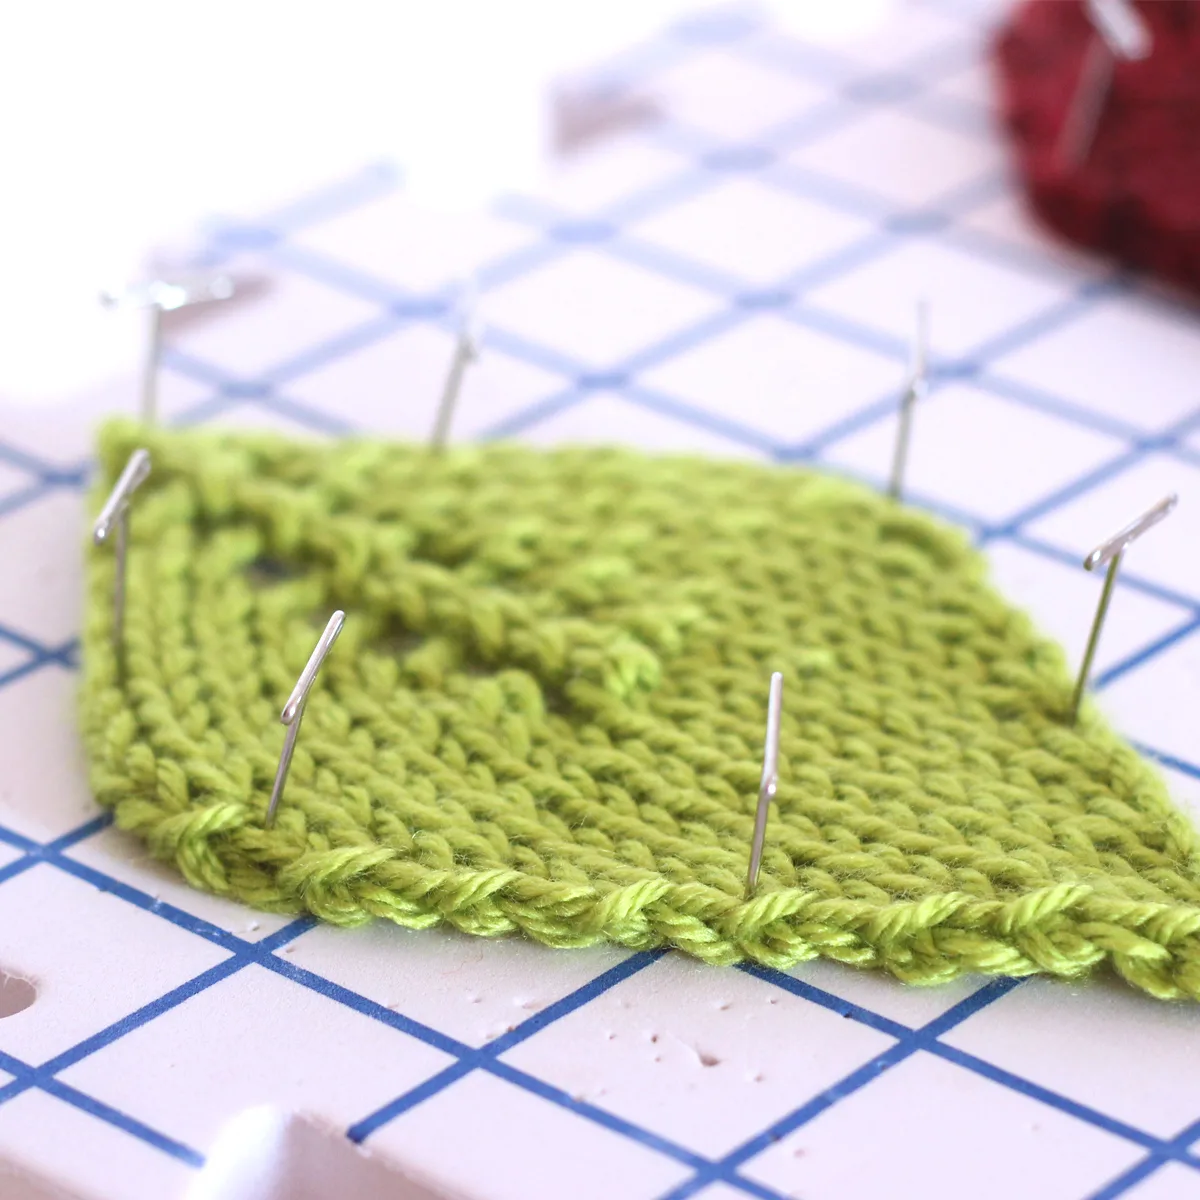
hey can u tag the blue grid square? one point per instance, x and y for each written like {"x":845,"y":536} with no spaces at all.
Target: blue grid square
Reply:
{"x":93,"y":957}
{"x":41,"y":602}
{"x":648,"y":420}
{"x":1061,"y":596}
{"x":899,"y":158}
{"x":393,"y":384}
{"x":971,"y":301}
{"x":472,"y":989}
{"x":486,"y":1137}
{"x":597,"y":309}
{"x":705,"y":1058}
{"x":721,"y":95}
{"x":753,"y":233}
{"x":915,"y":1129}
{"x":1141,"y":362}
{"x":1144,"y":698}
{"x":46,"y":796}
{"x":1107,"y":1034}
{"x":257,"y":1039}
{"x":792,"y":381}
{"x":48,"y":1140}
{"x":975,"y":479}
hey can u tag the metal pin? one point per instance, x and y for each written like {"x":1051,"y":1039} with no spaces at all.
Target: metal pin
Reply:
{"x":466,"y":350}
{"x":293,"y":710}
{"x":914,"y":390}
{"x":1111,"y":552}
{"x":116,"y":512}
{"x":1120,"y":32}
{"x":160,"y":296}
{"x":769,"y":783}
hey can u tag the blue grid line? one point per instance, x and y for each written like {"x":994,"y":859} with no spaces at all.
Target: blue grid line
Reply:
{"x":1129,"y":578}
{"x":344,"y":195}
{"x":124,"y":1122}
{"x":31,"y":464}
{"x":306,"y":416}
{"x":955,"y":114}
{"x":1151,"y":1163}
{"x":659,"y":402}
{"x":63,"y":656}
{"x":908,"y":1042}
{"x":1146,"y":653}
{"x":1167,"y":760}
{"x":1064,"y":1104}
{"x":262,"y":954}
{"x":1085,"y":483}
{"x":1056,"y":406}
{"x":1046,"y":321}
{"x":516,"y":424}
{"x":719,"y":159}
{"x":24,"y":497}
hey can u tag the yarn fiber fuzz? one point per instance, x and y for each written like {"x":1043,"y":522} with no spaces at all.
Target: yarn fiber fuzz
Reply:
{"x":546,"y":713}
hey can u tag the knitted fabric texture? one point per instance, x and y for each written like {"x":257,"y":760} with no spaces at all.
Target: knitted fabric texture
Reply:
{"x":546,"y":713}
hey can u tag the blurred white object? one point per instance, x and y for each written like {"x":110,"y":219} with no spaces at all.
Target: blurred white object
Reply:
{"x":265,"y":1154}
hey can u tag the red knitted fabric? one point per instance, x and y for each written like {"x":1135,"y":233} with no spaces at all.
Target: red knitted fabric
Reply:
{"x":1136,"y":196}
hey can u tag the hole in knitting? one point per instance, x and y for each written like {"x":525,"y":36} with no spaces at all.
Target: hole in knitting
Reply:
{"x":267,"y":572}
{"x":16,"y":994}
{"x":399,"y":643}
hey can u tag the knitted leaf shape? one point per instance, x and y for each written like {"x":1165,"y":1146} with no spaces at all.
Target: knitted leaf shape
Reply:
{"x":546,"y":713}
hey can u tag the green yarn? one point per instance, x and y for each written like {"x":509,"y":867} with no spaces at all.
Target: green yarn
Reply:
{"x":546,"y":713}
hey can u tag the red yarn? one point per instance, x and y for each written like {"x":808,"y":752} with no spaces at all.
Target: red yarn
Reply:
{"x":1136,"y":194}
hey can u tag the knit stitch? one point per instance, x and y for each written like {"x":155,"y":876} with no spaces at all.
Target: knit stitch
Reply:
{"x":546,"y":713}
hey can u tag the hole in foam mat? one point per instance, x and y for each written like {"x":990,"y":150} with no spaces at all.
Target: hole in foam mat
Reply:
{"x":16,"y":994}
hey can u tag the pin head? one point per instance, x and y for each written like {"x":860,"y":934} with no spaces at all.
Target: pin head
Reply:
{"x":300,"y":692}
{"x":137,"y":469}
{"x":470,"y":325}
{"x":167,"y":295}
{"x":471,"y":335}
{"x":1122,"y":27}
{"x":1109,"y":549}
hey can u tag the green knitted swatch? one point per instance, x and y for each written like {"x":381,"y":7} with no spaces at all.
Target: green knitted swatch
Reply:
{"x":546,"y":713}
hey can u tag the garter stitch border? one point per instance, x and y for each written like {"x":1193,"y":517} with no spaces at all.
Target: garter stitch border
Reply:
{"x":546,"y":713}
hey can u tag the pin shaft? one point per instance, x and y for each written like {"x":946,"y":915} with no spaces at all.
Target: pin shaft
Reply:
{"x":769,"y":782}
{"x":1111,"y":551}
{"x":1120,"y":32}
{"x":1085,"y":669}
{"x":115,"y":515}
{"x":158,"y":296}
{"x":122,"y":555}
{"x":293,"y":710}
{"x":466,"y":351}
{"x":1087,"y":103}
{"x":914,"y":390}
{"x":463,"y":355}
